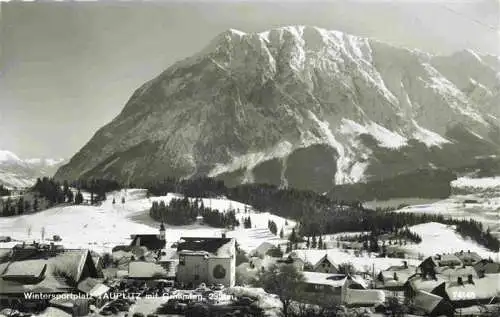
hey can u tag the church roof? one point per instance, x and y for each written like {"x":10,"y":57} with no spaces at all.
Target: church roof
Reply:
{"x":150,"y":241}
{"x":221,"y":247}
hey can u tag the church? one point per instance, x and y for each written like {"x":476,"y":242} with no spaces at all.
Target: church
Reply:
{"x":152,"y":242}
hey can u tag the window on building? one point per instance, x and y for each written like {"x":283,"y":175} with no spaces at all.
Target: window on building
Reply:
{"x":182,"y":260}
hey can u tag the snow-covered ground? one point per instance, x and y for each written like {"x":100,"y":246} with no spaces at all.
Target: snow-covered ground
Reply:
{"x":100,"y":228}
{"x":486,"y":210}
{"x":440,"y":238}
{"x":485,"y":182}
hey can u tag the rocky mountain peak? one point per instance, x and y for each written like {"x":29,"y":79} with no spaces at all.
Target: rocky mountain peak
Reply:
{"x":299,"y":106}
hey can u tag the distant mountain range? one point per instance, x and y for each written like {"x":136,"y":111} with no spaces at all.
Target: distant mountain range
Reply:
{"x":16,"y":172}
{"x":302,"y":107}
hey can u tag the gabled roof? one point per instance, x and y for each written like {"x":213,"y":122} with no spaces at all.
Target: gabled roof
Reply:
{"x":426,"y":301}
{"x":150,"y":241}
{"x":325,"y":258}
{"x":217,"y":247}
{"x":334,"y":280}
{"x":55,"y":270}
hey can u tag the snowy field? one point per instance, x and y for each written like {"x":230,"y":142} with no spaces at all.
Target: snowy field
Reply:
{"x":439,"y":238}
{"x":480,"y":201}
{"x":100,"y":228}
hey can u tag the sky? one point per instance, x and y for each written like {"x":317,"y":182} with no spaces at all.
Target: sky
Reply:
{"x":67,"y":69}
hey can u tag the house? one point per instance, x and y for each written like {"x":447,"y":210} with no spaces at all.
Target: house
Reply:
{"x":32,"y":269}
{"x":169,"y":260}
{"x":471,"y":291}
{"x":486,"y":267}
{"x":206,"y":260}
{"x":152,"y":242}
{"x":439,"y":276}
{"x":432,"y":305}
{"x":448,"y":259}
{"x":326,"y":265}
{"x":292,"y":259}
{"x":420,"y":282}
{"x":468,"y":258}
{"x":75,"y":307}
{"x":262,"y":249}
{"x":395,"y":277}
{"x":342,"y":289}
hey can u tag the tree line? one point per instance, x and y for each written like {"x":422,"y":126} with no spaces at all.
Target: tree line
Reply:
{"x":183,"y":211}
{"x":317,"y":213}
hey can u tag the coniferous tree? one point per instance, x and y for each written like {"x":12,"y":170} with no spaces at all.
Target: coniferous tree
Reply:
{"x":20,"y":206}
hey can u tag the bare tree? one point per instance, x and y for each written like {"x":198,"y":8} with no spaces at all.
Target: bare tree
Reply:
{"x":285,"y":281}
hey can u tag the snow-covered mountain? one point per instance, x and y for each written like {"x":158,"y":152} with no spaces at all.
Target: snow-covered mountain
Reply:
{"x":300,"y":106}
{"x":16,"y":172}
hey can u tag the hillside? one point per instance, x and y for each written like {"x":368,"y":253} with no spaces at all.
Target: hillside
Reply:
{"x":301,"y":107}
{"x":101,"y":228}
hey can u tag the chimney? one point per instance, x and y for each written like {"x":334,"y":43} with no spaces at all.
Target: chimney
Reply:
{"x":469,"y":279}
{"x":468,"y":251}
{"x":395,"y":276}
{"x":223,"y":235}
{"x":52,"y":246}
{"x":405,"y":264}
{"x":460,"y":281}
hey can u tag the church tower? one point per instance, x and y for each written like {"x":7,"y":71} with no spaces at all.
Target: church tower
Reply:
{"x":162,"y":232}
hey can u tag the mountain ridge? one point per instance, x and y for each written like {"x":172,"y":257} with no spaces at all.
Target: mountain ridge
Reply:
{"x":259,"y":106}
{"x":17,"y":172}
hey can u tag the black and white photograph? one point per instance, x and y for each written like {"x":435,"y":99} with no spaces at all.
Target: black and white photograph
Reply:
{"x":239,"y":158}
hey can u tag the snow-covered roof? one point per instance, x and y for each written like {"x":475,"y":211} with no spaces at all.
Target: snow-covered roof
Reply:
{"x":99,"y":290}
{"x":364,"y":297}
{"x":216,"y":247}
{"x":481,"y":288}
{"x":29,"y":268}
{"x":169,"y":254}
{"x":263,"y":248}
{"x":327,"y":257}
{"x":428,"y":284}
{"x":55,"y":268}
{"x":426,"y":301}
{"x":147,"y":270}
{"x":396,"y":276}
{"x":334,"y":280}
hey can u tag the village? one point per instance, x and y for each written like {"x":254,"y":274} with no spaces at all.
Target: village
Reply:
{"x":162,"y":274}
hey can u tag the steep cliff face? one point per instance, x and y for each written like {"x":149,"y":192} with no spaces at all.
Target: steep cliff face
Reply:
{"x":303,"y":107}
